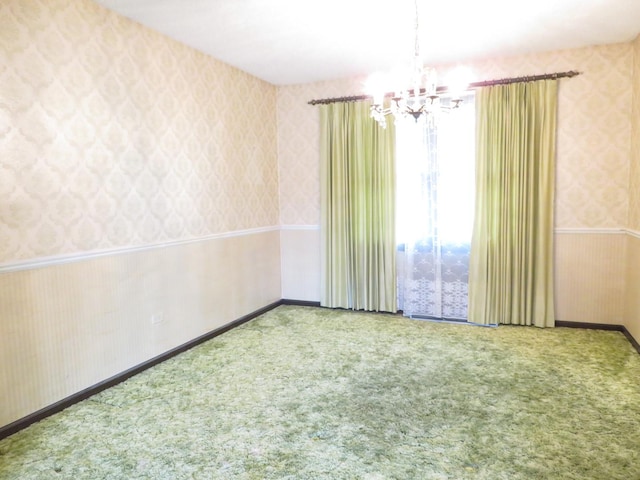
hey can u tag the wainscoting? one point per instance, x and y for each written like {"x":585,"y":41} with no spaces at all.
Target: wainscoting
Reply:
{"x":590,"y":275}
{"x":632,"y":304}
{"x":300,"y":253}
{"x":590,"y":281}
{"x":70,"y":323}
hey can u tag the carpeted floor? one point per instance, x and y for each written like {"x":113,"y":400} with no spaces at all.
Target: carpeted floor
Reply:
{"x":310,"y":393}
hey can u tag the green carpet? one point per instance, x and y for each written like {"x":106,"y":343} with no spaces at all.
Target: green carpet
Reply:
{"x":310,"y":393}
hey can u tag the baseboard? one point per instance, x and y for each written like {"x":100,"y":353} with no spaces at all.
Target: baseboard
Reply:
{"x":590,"y":326}
{"x":558,"y":323}
{"x":299,"y":303}
{"x":632,"y":340}
{"x":601,"y":326}
{"x":24,"y":422}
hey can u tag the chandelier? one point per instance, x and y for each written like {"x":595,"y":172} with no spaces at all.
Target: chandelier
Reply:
{"x":420,"y":95}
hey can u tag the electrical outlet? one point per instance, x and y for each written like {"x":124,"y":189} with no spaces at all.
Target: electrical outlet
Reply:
{"x":157,"y":318}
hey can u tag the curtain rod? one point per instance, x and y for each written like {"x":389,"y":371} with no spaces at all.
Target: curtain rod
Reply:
{"x":485,"y":83}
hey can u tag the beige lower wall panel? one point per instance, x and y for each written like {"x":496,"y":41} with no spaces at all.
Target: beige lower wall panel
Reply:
{"x":66,"y":327}
{"x":300,"y":264}
{"x":589,"y":273}
{"x":632,"y":305}
{"x":590,"y":277}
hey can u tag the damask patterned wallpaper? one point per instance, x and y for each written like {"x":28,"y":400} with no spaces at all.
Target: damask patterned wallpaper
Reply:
{"x":112,"y":135}
{"x":594,"y":134}
{"x":299,"y":147}
{"x":634,"y":182}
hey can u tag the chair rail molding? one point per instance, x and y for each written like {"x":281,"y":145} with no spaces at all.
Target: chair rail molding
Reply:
{"x":41,"y":262}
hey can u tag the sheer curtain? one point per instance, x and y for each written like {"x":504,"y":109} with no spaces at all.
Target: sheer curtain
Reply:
{"x":435,"y":207}
{"x":357,"y":197}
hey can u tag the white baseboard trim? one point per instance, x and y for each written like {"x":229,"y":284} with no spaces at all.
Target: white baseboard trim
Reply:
{"x":41,"y":262}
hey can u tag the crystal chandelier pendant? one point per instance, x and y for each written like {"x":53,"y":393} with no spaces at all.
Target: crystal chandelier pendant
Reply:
{"x":420,"y":97}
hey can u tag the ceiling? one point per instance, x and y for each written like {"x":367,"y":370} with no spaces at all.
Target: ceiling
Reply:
{"x":298,"y":41}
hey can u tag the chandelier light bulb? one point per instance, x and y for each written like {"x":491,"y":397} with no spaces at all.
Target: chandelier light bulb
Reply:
{"x":418,"y":95}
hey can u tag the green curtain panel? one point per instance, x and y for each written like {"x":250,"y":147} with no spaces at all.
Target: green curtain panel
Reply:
{"x":511,"y":266}
{"x":357,"y":171}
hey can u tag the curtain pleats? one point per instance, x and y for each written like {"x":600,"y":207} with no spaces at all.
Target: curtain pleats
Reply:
{"x":357,"y":172}
{"x":511,"y":269}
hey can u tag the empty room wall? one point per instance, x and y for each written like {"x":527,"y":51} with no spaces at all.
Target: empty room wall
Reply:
{"x":592,"y":183}
{"x":632,"y":317}
{"x":138,"y":198}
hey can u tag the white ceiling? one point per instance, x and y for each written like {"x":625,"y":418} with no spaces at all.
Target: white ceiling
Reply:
{"x":298,"y":41}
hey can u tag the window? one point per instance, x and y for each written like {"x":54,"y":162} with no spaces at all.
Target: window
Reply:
{"x":435,"y":206}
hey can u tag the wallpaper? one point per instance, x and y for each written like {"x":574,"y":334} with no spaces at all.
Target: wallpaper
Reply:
{"x":634,"y":182}
{"x":112,"y":135}
{"x":594,"y":134}
{"x":299,"y":147}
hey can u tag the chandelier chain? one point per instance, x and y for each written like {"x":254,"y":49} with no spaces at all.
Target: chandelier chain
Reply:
{"x":418,"y":96}
{"x":417,"y":32}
